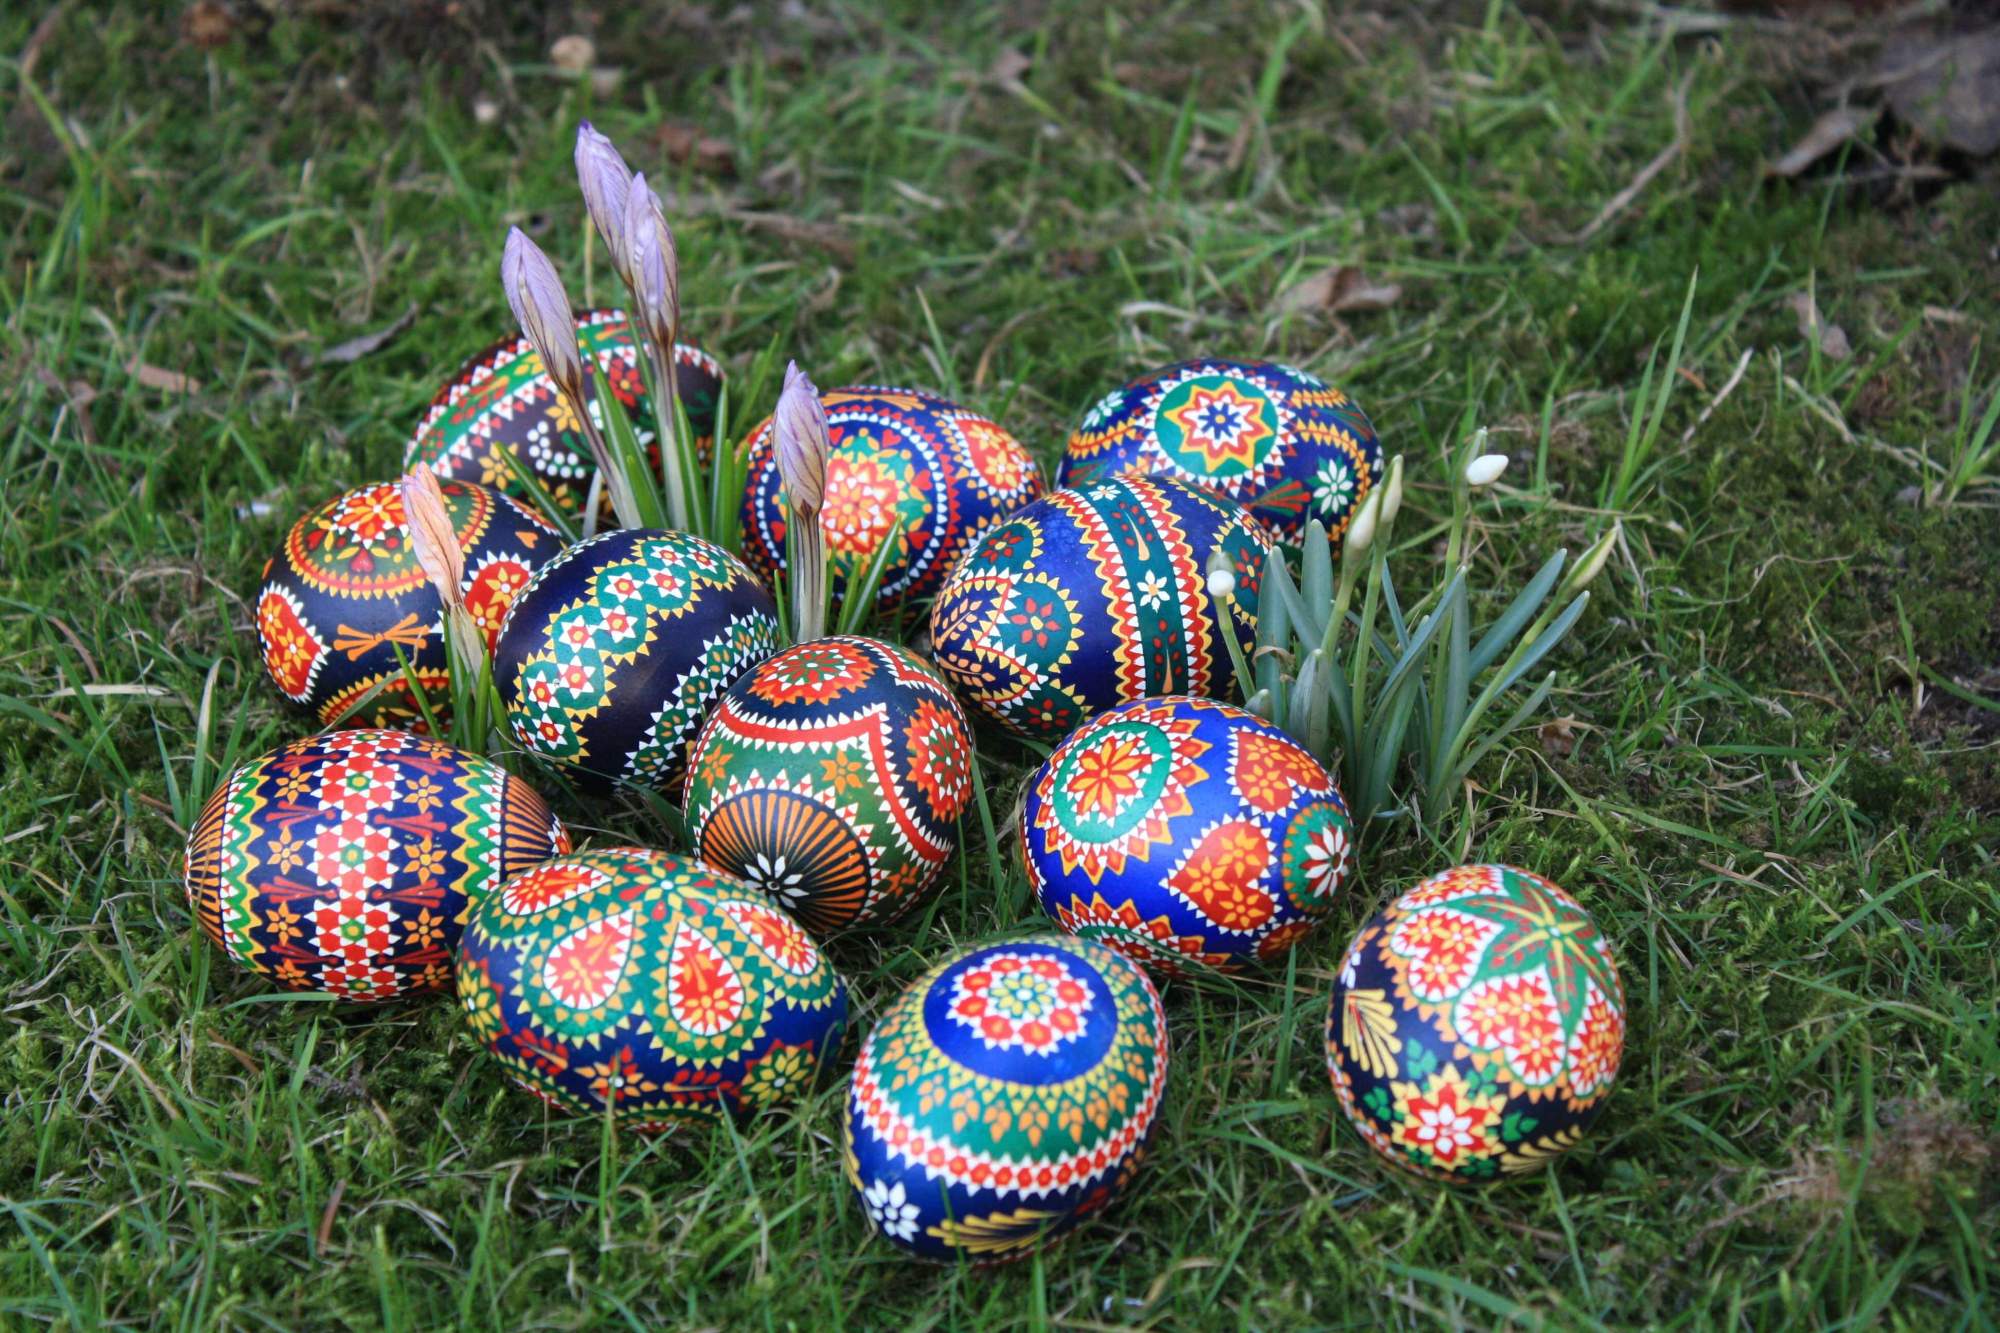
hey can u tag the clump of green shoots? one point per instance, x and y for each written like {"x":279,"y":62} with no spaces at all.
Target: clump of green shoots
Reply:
{"x":1401,"y":700}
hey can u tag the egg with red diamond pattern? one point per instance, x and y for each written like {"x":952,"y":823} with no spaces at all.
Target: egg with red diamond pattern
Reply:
{"x":346,"y":863}
{"x":1282,"y":443}
{"x":1190,"y":834}
{"x":345,"y":593}
{"x":1093,"y":597}
{"x":1476,"y":1025}
{"x":616,"y":652}
{"x":500,"y":413}
{"x":831,"y":776}
{"x":900,"y":456}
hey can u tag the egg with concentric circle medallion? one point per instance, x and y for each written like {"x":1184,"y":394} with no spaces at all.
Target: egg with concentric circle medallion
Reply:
{"x":649,"y":984}
{"x":346,"y":863}
{"x":345,"y":593}
{"x":1090,"y":598}
{"x":1476,"y":1025}
{"x":1187,"y":833}
{"x":501,"y":415}
{"x":904,"y":457}
{"x":831,"y":775}
{"x":615,"y":653}
{"x":1282,"y":443}
{"x":1006,"y":1096}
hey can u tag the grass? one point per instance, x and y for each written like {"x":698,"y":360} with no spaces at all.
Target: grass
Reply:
{"x":1775,"y":780}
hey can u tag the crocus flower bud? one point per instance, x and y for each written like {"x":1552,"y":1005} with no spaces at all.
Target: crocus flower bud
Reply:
{"x":432,"y":535}
{"x":606,"y":181}
{"x":1485,"y":469}
{"x":651,"y":266}
{"x":803,"y":443}
{"x":542,"y":309}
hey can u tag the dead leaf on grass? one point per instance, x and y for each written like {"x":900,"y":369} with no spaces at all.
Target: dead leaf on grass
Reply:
{"x":158,"y":377}
{"x":1558,"y":737}
{"x":689,"y":145}
{"x":1831,"y":337}
{"x":1829,"y":132}
{"x":1339,"y":289}
{"x":357,"y":347}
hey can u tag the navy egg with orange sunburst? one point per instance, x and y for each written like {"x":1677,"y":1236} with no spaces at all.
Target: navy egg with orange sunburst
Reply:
{"x":615,"y":653}
{"x":832,"y":776}
{"x":1284,"y":444}
{"x":345,"y":592}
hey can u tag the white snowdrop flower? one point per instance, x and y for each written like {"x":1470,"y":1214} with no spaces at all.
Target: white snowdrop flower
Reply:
{"x":1485,"y":469}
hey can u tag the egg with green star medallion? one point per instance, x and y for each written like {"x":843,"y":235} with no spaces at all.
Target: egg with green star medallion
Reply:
{"x":648,"y":984}
{"x":1476,"y":1025}
{"x":832,"y":775}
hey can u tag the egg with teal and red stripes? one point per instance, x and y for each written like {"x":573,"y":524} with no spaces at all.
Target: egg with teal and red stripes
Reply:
{"x":500,"y":416}
{"x":1095,"y":596}
{"x":907,"y":466}
{"x":615,"y":653}
{"x":649,"y":985}
{"x":1190,"y":834}
{"x":1006,"y":1096}
{"x":1282,"y":443}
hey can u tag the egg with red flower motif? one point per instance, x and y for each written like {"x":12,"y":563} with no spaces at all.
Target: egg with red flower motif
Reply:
{"x":1093,"y":597}
{"x":649,"y":984}
{"x":1005,"y":1097}
{"x":831,"y":775}
{"x":346,"y":863}
{"x":906,"y":462}
{"x":1187,"y":833}
{"x":615,"y":653}
{"x":1282,"y":443}
{"x":500,"y":414}
{"x":1476,"y":1025}
{"x":346,"y":592}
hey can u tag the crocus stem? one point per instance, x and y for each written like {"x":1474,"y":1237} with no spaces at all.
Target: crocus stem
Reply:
{"x":675,"y":468}
{"x":623,"y":503}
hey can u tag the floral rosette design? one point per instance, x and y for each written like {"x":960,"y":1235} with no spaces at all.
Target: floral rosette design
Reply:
{"x":1476,"y":1025}
{"x":1186,"y":833}
{"x":346,"y":863}
{"x":1089,"y":598}
{"x":345,"y":593}
{"x":900,"y":456}
{"x":500,"y":414}
{"x":831,"y":775}
{"x":1284,"y":444}
{"x":1004,"y":1097}
{"x":648,"y":983}
{"x":615,"y":653}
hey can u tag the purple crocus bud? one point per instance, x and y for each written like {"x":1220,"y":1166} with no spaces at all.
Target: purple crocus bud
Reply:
{"x":542,"y":309}
{"x":652,"y":268}
{"x":606,"y":180}
{"x":803,"y":442}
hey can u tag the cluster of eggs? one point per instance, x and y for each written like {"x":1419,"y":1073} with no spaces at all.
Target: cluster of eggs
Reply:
{"x":1476,"y":1023}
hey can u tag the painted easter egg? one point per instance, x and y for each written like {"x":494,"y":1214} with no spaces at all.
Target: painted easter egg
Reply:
{"x":649,"y":983}
{"x":1476,"y":1025}
{"x":345,"y":592}
{"x":1187,"y":833}
{"x":899,"y":455}
{"x":502,"y":405}
{"x":346,"y":863}
{"x":1285,"y":445}
{"x":1004,"y":1097}
{"x":831,"y":776}
{"x":615,"y":652}
{"x":1090,"y":598}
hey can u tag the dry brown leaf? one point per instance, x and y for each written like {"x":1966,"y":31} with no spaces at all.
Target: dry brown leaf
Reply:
{"x":1829,"y":132}
{"x":166,"y":381}
{"x":357,"y":347}
{"x":1009,"y":66}
{"x":689,"y":145}
{"x":573,"y":54}
{"x":207,"y":25}
{"x":1831,"y":337}
{"x":1339,"y":289}
{"x":1558,"y":737}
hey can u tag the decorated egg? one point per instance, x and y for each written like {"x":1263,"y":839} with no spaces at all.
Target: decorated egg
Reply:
{"x":1187,"y":833}
{"x":345,"y":592}
{"x":831,"y":776}
{"x":345,"y":863}
{"x":1283,"y":444}
{"x":615,"y":652}
{"x":1476,"y":1025}
{"x":502,"y":405}
{"x":1089,"y":598}
{"x":1004,"y":1097}
{"x":899,"y":456}
{"x":650,"y":984}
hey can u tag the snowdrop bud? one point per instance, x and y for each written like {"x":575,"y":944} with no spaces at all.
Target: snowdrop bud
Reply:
{"x":606,"y":180}
{"x":1593,"y":561}
{"x":1485,"y":469}
{"x":1221,"y":583}
{"x":803,"y":442}
{"x":1361,"y":532}
{"x":542,"y":309}
{"x":1392,"y":492}
{"x":432,"y":534}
